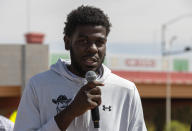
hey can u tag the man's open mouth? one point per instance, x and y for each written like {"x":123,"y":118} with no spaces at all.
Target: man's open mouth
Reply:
{"x":90,"y":61}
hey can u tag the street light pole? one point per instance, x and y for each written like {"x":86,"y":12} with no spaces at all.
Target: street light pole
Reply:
{"x":163,"y":39}
{"x":167,"y":53}
{"x":168,"y":83}
{"x":28,"y":15}
{"x":164,"y":28}
{"x":168,"y":74}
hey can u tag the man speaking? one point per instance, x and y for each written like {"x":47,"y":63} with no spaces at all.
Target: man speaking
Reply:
{"x":65,"y":99}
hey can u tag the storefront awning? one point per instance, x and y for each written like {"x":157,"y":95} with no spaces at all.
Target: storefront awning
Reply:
{"x":155,"y":77}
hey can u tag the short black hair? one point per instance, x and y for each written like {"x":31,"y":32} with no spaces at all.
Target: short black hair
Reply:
{"x":86,"y":15}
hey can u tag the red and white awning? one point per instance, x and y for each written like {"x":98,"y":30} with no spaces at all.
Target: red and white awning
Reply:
{"x":155,"y":77}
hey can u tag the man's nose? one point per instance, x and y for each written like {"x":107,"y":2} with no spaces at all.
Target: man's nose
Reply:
{"x":93,"y":48}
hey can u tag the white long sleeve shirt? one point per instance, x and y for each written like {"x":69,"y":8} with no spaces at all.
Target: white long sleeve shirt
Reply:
{"x":50,"y":92}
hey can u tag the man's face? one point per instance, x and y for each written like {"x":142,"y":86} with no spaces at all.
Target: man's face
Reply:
{"x":87,"y":49}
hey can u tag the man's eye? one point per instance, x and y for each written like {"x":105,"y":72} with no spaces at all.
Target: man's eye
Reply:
{"x":82,"y":41}
{"x":100,"y":42}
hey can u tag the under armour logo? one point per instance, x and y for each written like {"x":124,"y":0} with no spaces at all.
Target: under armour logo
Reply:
{"x":107,"y":108}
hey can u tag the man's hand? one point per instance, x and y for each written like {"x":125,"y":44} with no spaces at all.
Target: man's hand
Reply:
{"x":88,"y":97}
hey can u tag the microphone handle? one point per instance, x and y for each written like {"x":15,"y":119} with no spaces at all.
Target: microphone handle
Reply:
{"x":95,"y":117}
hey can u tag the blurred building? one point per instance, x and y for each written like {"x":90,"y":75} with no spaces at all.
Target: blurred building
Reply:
{"x":17,"y":64}
{"x":150,"y":74}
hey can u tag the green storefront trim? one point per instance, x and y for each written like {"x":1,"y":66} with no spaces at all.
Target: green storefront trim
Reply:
{"x":181,"y":65}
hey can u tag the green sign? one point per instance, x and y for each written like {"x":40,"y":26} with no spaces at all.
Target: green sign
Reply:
{"x":181,"y":65}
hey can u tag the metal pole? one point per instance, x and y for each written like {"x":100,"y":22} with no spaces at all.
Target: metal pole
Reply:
{"x":28,"y":15}
{"x":23,"y":68}
{"x":163,"y":39}
{"x":168,"y":53}
{"x":168,"y":92}
{"x":168,"y":82}
{"x":168,"y":75}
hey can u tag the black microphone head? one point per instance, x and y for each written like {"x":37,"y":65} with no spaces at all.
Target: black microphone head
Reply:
{"x":90,"y":76}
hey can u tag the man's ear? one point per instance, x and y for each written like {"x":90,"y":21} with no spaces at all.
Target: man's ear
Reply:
{"x":67,"y":42}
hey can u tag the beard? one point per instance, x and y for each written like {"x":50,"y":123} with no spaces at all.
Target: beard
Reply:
{"x":77,"y":65}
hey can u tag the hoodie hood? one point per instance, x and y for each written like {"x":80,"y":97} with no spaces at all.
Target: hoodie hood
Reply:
{"x":61,"y":68}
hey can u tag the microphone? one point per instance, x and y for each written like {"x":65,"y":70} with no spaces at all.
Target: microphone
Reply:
{"x":91,"y":76}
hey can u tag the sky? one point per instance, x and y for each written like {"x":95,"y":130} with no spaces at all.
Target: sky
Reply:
{"x":136,"y":24}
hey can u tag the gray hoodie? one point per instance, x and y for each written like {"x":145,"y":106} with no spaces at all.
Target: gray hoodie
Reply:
{"x":50,"y":92}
